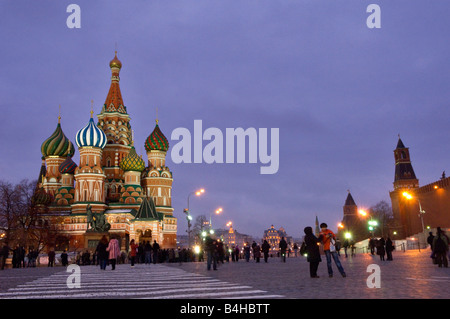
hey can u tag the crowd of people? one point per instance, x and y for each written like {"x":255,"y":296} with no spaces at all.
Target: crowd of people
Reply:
{"x":382,"y":247}
{"x":215,"y":251}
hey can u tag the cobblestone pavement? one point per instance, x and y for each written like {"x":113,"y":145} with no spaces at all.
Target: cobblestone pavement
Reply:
{"x":410,"y":275}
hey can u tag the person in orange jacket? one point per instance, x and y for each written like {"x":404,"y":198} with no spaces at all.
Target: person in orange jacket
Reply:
{"x":329,"y":248}
{"x":133,"y":250}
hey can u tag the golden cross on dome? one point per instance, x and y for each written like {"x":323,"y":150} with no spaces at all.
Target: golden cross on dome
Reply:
{"x":92,"y":108}
{"x":157,"y":116}
{"x":59,"y":115}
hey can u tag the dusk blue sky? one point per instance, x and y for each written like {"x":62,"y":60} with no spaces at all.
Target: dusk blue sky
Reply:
{"x":339,"y":92}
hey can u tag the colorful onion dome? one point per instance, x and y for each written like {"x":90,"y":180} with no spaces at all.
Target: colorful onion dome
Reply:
{"x":57,"y":144}
{"x":68,"y":166}
{"x":115,"y":63}
{"x":41,"y":197}
{"x":132,"y":162}
{"x":156,"y":141}
{"x":91,"y":136}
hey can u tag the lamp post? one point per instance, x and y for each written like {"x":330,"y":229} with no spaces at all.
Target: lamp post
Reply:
{"x":408,"y":196}
{"x":217,"y":212}
{"x":188,"y":215}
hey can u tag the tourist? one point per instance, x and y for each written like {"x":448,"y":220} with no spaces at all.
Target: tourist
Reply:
{"x":312,"y":251}
{"x":328,"y":239}
{"x":211,"y":252}
{"x":148,"y":253}
{"x":283,"y":246}
{"x":155,"y":251}
{"x":346,"y":245}
{"x":257,"y":253}
{"x":133,"y":252}
{"x":265,"y":249}
{"x":51,"y":258}
{"x":102,"y":254}
{"x":440,"y":248}
{"x":247,"y":252}
{"x":389,"y":248}
{"x":64,"y":258}
{"x":381,"y":251}
{"x":114,"y":252}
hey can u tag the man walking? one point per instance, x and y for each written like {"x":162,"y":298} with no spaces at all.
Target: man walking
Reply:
{"x":329,"y":242}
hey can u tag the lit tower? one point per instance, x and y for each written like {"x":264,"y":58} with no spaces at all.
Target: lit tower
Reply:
{"x":157,"y":183}
{"x":55,"y":150}
{"x":89,"y":176}
{"x":404,"y":172}
{"x":115,"y":122}
{"x":157,"y":178}
{"x":404,"y":180}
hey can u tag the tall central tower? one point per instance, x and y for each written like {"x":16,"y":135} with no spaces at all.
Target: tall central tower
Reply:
{"x":115,"y":122}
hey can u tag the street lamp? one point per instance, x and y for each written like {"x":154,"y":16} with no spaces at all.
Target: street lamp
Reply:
{"x":188,"y":215}
{"x":408,"y":196}
{"x":218,"y":211}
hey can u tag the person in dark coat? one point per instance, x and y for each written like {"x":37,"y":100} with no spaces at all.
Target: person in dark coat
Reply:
{"x":389,"y":248}
{"x":102,"y":254}
{"x":313,"y":252}
{"x":51,"y":258}
{"x":64,"y":258}
{"x":265,"y":249}
{"x":380,"y":248}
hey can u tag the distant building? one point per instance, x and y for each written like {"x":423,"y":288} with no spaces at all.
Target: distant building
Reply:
{"x":273,"y":237}
{"x":433,"y":199}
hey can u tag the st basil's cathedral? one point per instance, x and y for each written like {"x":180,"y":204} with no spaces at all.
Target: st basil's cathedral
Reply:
{"x":111,"y":180}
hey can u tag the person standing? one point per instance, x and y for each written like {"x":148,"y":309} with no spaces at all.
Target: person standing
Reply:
{"x":389,"y":248}
{"x":51,"y":258}
{"x":328,"y":239}
{"x":155,"y":251}
{"x":210,"y":248}
{"x":440,"y":248}
{"x":312,"y":250}
{"x":381,"y":251}
{"x":148,"y":253}
{"x":114,"y":252}
{"x":64,"y":258}
{"x":102,"y":254}
{"x":247,"y":252}
{"x":265,"y":249}
{"x":257,"y":253}
{"x":346,"y":245}
{"x":283,"y":246}
{"x":133,"y":252}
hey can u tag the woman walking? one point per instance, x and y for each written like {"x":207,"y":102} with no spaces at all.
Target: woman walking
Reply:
{"x":102,"y":254}
{"x":313,"y":252}
{"x":114,"y":252}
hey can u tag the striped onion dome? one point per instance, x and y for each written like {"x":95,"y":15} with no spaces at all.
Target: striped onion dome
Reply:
{"x":68,"y":166}
{"x":41,"y":197}
{"x":132,"y":162}
{"x":57,"y":144}
{"x":91,"y":136}
{"x":156,"y":141}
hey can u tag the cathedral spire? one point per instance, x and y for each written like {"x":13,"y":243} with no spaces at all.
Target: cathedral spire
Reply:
{"x":114,"y":101}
